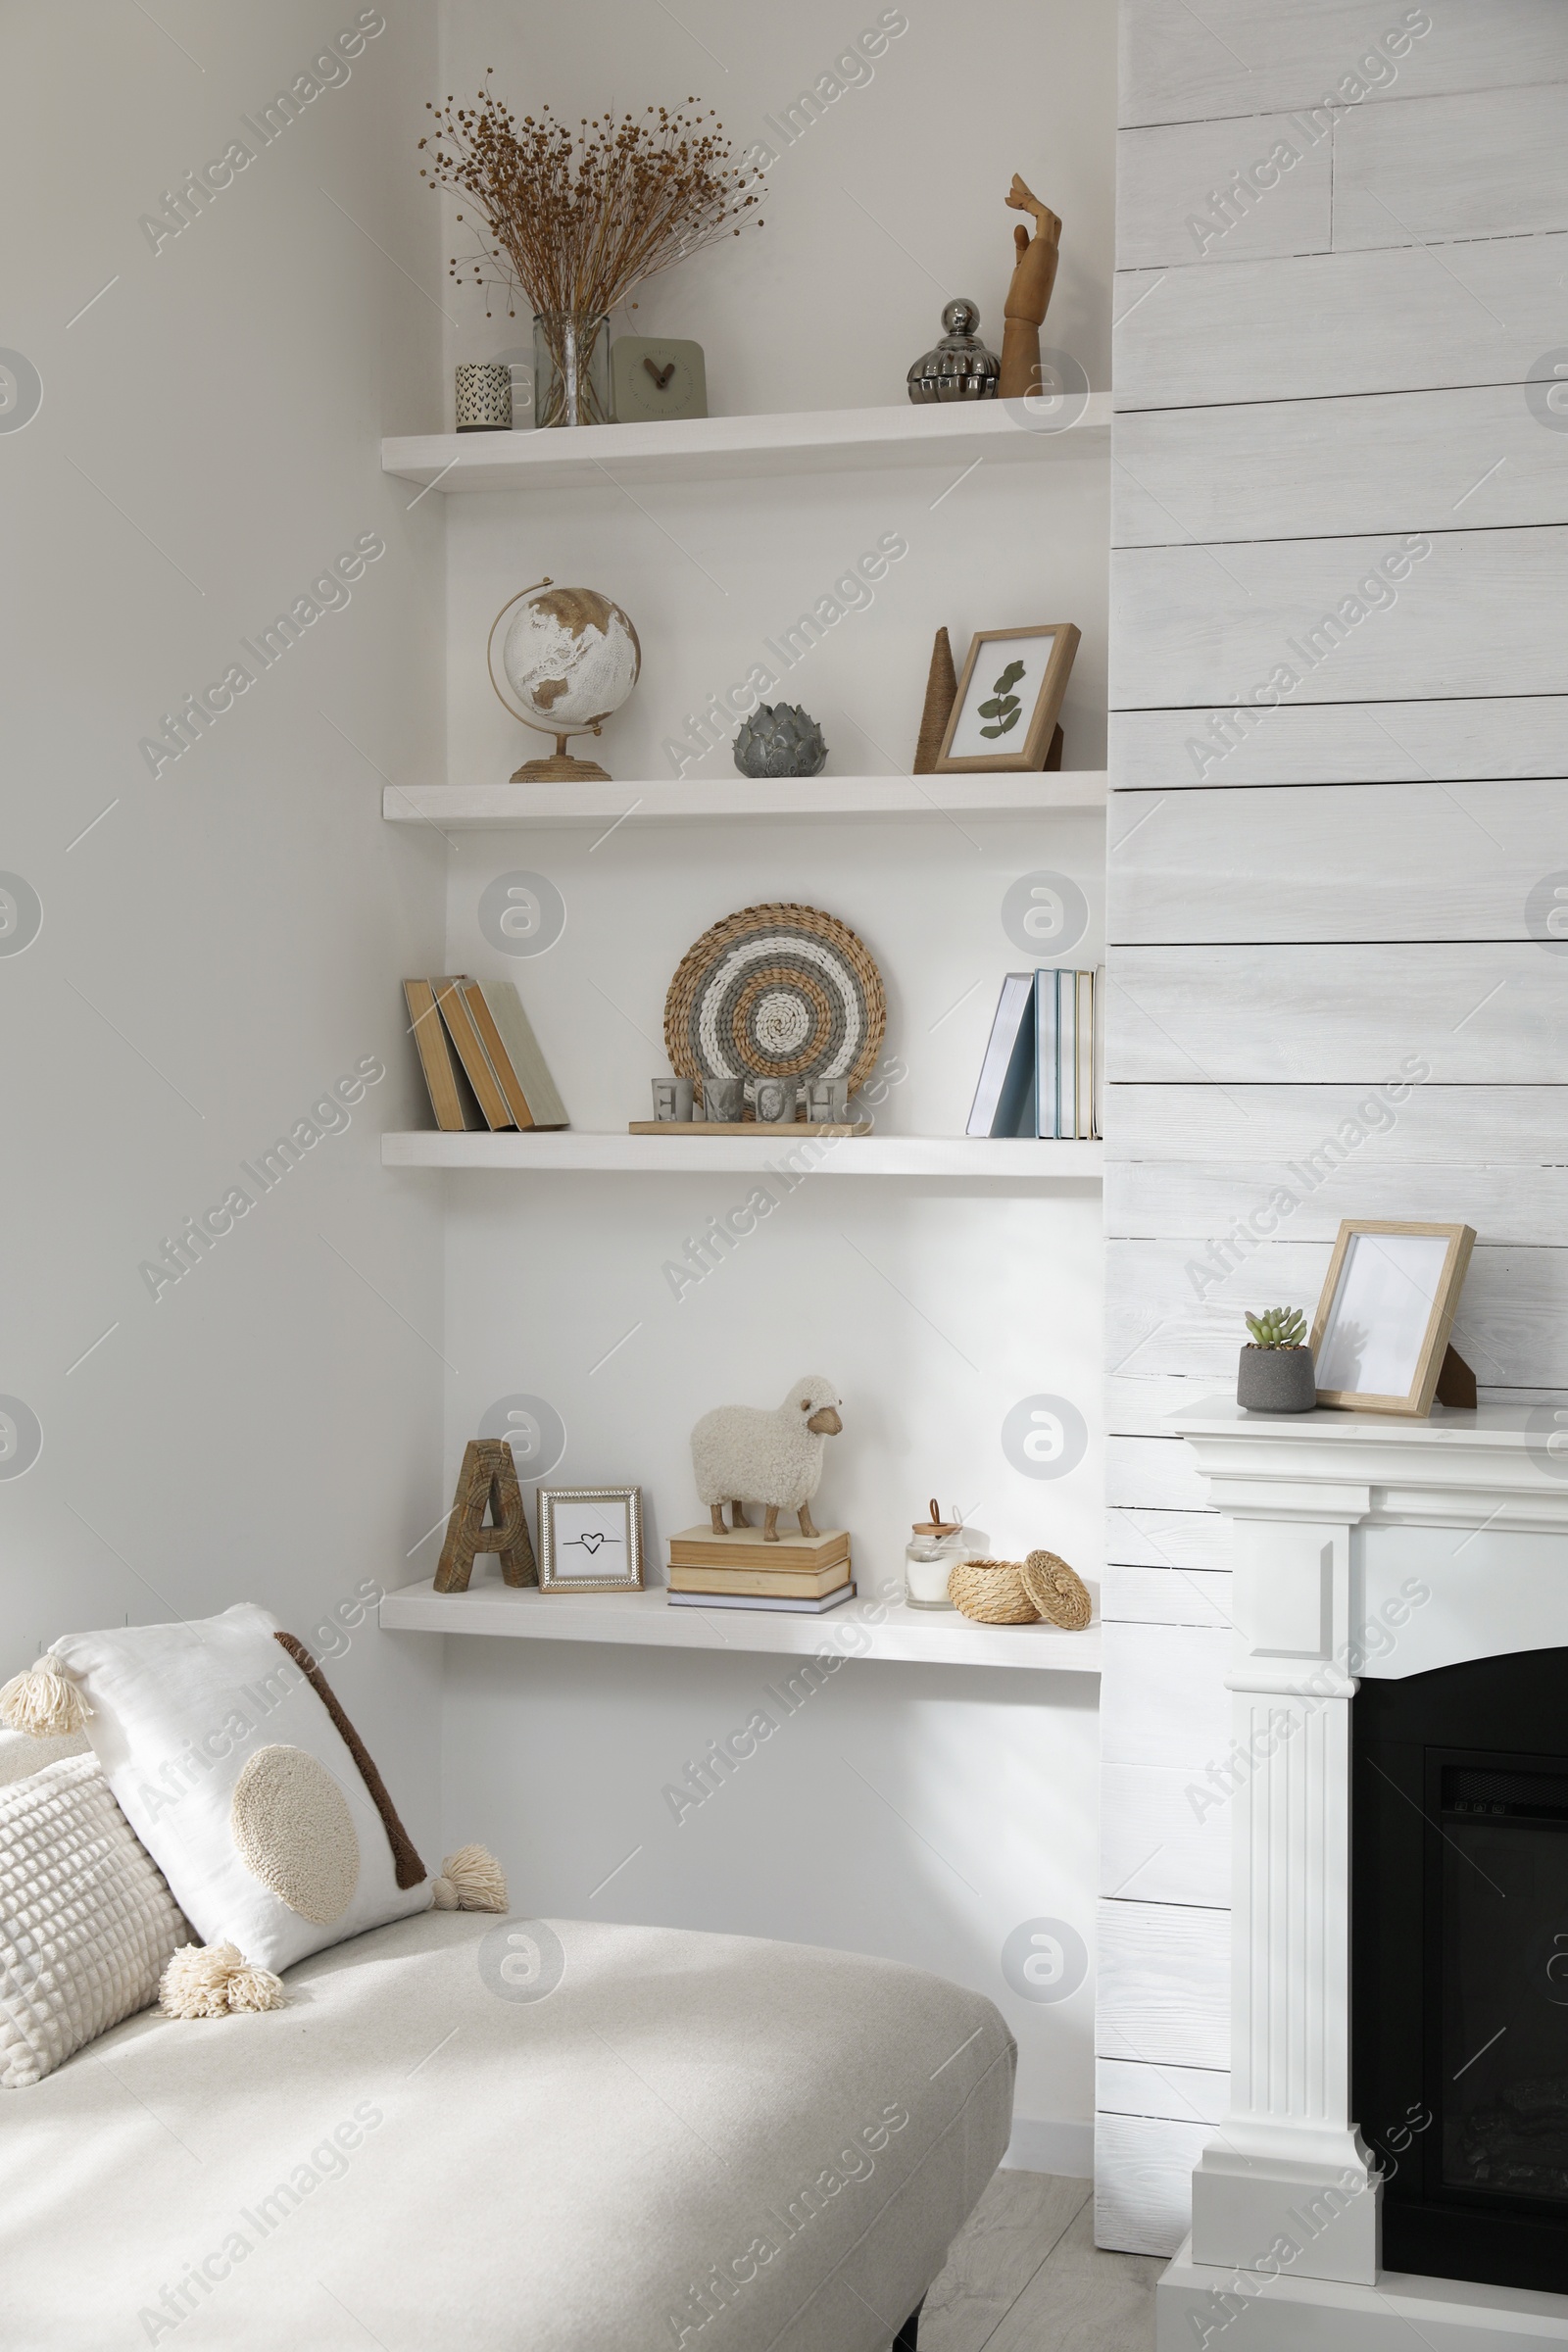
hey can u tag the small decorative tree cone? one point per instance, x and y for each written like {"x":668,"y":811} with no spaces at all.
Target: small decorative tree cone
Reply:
{"x":1056,"y":1592}
{"x":1275,"y":1380}
{"x":941,"y":693}
{"x":991,"y":1592}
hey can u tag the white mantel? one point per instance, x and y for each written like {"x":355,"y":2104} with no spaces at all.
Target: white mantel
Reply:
{"x":1364,"y":1545}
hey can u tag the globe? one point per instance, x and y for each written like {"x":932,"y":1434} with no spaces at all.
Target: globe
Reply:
{"x":571,"y":657}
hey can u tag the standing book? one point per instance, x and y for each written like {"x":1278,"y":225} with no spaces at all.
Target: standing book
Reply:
{"x":1048,"y":1082}
{"x":1085,"y":1088}
{"x":496,"y":1053}
{"x":451,"y":1097}
{"x":1005,"y":1098}
{"x":1097,"y":1074}
{"x":1068,"y":1053}
{"x":521,"y":1049}
{"x":471,"y":1052}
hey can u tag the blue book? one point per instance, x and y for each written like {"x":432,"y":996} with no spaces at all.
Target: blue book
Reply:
{"x":1005,"y":1098}
{"x":1047,"y":1089}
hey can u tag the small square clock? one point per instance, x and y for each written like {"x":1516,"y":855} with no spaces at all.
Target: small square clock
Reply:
{"x":654,"y":377}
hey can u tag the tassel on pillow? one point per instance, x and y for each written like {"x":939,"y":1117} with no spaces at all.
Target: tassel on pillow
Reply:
{"x":42,"y":1702}
{"x":471,"y":1880}
{"x":209,"y":1980}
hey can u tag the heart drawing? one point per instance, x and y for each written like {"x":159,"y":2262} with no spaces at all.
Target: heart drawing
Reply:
{"x":591,"y":1543}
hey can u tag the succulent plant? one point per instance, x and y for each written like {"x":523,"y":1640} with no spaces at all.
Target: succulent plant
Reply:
{"x":1278,"y":1327}
{"x":780,"y":739}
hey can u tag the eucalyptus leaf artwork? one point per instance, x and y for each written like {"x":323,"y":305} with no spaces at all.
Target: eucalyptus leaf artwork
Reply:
{"x":1014,"y":729}
{"x":1002,"y":707}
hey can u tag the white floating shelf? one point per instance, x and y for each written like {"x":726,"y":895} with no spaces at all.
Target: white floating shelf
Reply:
{"x":715,"y":449}
{"x":599,"y":808}
{"x":647,"y":1620}
{"x":723,"y":1154}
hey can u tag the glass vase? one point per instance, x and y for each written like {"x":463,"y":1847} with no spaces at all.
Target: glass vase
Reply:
{"x":572,"y":369}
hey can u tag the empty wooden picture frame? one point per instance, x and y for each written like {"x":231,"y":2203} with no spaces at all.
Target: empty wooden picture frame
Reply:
{"x":1382,"y":1326}
{"x":591,"y":1539}
{"x":1008,"y":698}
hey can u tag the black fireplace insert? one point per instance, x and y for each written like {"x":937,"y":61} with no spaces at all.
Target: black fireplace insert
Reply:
{"x":1459,"y":1966}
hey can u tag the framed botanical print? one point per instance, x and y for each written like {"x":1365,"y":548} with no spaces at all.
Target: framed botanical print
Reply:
{"x":1009,"y":699}
{"x":1381,"y":1331}
{"x":591,"y":1539}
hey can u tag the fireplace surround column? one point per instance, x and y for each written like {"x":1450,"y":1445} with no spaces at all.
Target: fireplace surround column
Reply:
{"x":1287,"y":2168}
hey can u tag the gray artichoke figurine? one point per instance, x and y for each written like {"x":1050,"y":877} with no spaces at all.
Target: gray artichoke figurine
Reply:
{"x":780,"y":739}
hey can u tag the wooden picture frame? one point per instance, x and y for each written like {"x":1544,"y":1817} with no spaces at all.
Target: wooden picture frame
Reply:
{"x":1385,"y":1311}
{"x":590,"y":1539}
{"x":1045,"y":652}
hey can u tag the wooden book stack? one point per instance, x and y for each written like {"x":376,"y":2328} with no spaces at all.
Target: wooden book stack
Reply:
{"x":805,"y":1575}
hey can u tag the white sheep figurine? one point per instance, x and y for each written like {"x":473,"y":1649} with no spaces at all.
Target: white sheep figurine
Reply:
{"x":741,"y":1454}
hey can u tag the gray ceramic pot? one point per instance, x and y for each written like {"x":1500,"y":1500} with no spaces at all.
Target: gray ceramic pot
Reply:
{"x":1275,"y":1380}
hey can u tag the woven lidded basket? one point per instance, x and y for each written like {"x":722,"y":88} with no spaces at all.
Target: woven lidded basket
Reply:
{"x":991,"y":1592}
{"x":1057,"y":1592}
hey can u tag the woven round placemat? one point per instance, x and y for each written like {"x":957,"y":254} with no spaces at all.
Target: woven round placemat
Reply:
{"x":1056,"y":1592}
{"x":991,"y":1592}
{"x":777,"y":992}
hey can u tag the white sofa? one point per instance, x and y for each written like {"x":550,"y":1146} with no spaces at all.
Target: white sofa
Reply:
{"x":690,"y":2141}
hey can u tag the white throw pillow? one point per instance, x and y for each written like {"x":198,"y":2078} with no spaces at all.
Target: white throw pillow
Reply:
{"x":87,"y":1924}
{"x":233,"y":1775}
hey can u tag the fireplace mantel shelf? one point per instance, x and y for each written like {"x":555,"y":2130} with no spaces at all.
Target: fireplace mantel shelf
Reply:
{"x":1490,"y":1426}
{"x":1504,"y":1465}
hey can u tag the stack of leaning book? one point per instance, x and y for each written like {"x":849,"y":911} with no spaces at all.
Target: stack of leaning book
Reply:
{"x":482,"y":1061}
{"x":804,"y":1575}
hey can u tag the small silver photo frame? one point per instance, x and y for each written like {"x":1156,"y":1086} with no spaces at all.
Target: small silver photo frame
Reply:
{"x":590,"y":1539}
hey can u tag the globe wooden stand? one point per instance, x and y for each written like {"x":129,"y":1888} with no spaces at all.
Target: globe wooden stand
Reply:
{"x":584,"y":605}
{"x":561,"y":768}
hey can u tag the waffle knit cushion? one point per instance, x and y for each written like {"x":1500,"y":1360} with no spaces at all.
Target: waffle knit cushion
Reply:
{"x":179,"y":1714}
{"x":20,"y":1755}
{"x":87,"y":1924}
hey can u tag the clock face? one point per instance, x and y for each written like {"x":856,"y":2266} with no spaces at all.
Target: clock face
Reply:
{"x":655,"y":377}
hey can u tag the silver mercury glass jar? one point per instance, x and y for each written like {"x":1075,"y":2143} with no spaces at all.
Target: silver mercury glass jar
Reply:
{"x":960,"y":367}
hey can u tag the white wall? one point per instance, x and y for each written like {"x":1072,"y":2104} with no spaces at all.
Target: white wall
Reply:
{"x":1359,"y":888}
{"x":884,"y":209}
{"x":911,"y":1812}
{"x":219,"y":941}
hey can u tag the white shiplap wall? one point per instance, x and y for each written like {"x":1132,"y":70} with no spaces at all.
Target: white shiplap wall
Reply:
{"x":1346,"y":891}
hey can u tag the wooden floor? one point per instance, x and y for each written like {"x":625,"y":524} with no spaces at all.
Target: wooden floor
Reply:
{"x":1025,"y":2276}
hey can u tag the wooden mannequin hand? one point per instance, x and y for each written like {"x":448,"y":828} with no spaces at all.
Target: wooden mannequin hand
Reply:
{"x":1035,"y":268}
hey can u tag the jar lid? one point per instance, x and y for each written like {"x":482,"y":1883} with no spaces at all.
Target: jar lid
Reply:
{"x":936,"y":1525}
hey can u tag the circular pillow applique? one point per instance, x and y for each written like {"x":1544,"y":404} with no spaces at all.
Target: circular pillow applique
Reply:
{"x":294,"y":1831}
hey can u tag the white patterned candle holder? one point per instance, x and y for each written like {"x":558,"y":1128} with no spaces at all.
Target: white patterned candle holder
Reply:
{"x":484,"y":397}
